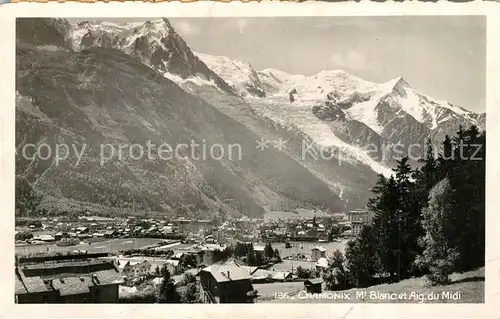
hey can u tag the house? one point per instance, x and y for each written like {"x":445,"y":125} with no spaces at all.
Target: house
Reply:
{"x":259,"y":251}
{"x":209,"y":251}
{"x":282,"y":276}
{"x":82,"y":230}
{"x":172,"y":266}
{"x":178,"y":256}
{"x":110,"y":233}
{"x":357,"y":219}
{"x":225,"y":283}
{"x":35,"y":224}
{"x":60,"y":235}
{"x":321,"y":264}
{"x":134,"y":269}
{"x":317,"y":253}
{"x":313,"y":285}
{"x":262,"y":276}
{"x":81,"y":278}
{"x":46,"y":238}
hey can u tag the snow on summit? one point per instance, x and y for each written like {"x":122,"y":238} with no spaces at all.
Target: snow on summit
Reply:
{"x":290,"y":98}
{"x":239,"y":74}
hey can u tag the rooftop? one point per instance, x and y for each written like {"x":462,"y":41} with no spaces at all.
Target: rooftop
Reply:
{"x":67,"y":283}
{"x":313,"y":281}
{"x":322,"y":262}
{"x":230,"y":271}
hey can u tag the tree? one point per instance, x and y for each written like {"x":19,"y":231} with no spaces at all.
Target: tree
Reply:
{"x":251,"y":259}
{"x":268,"y":251}
{"x":304,"y":273}
{"x":385,"y":206}
{"x":463,"y":163}
{"x":336,"y":276}
{"x":426,"y":176}
{"x":468,"y":181}
{"x":397,"y":221}
{"x":167,"y":292}
{"x":188,"y":278}
{"x":277,"y":255}
{"x":191,"y":293}
{"x":334,"y":232}
{"x":27,"y":199}
{"x":439,"y":256}
{"x":361,"y":258}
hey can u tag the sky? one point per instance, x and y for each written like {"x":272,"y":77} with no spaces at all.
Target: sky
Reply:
{"x":441,"y":56}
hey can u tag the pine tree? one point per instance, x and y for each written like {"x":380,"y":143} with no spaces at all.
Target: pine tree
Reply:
{"x":336,"y":276}
{"x":385,"y":206}
{"x":167,"y":292}
{"x":251,"y":261}
{"x":396,"y":224}
{"x":361,"y":258}
{"x":426,"y":175}
{"x":468,"y":180}
{"x":268,"y":250}
{"x":409,"y":227}
{"x":277,"y":255}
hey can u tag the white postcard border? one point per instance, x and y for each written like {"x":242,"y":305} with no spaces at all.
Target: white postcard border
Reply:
{"x":8,"y":13}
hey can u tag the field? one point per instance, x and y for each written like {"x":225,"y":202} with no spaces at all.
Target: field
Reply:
{"x":464,"y":288}
{"x":300,"y":213}
{"x":291,"y":265}
{"x":305,"y":247}
{"x":267,"y":291}
{"x":111,"y":246}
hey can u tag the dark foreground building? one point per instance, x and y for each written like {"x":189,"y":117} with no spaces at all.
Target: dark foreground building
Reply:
{"x":225,"y":283}
{"x":66,"y":279}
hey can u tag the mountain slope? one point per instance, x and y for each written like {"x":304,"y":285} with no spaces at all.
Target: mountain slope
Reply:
{"x":102,"y":96}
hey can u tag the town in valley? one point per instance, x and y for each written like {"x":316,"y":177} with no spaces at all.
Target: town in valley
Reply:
{"x":132,"y":252}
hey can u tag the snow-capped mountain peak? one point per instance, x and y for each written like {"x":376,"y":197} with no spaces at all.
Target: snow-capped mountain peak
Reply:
{"x":155,"y":43}
{"x":239,"y":74}
{"x":392,"y":110}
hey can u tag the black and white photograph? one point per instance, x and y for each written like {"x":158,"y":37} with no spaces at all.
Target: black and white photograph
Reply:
{"x":212,"y":160}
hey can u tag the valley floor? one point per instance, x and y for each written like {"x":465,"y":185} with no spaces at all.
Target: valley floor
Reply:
{"x":111,"y":246}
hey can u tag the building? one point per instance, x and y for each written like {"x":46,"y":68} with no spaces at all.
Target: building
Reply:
{"x":259,"y":251}
{"x":133,"y":268}
{"x":357,"y":219}
{"x":282,"y":276}
{"x":172,"y":266}
{"x":110,"y":233}
{"x":225,"y":283}
{"x":79,"y":278}
{"x":313,"y":285}
{"x":209,"y":250}
{"x":262,"y":275}
{"x":321,"y":264}
{"x":45,"y":238}
{"x":317,"y":253}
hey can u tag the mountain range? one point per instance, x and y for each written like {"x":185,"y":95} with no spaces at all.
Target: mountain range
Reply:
{"x":99,"y":83}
